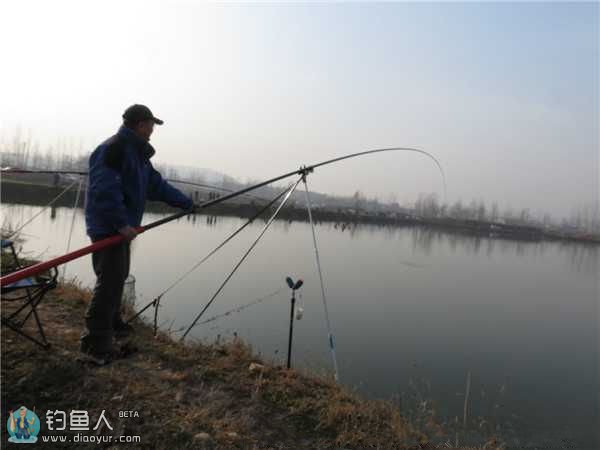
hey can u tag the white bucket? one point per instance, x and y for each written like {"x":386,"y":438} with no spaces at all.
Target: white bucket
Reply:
{"x":129,"y":292}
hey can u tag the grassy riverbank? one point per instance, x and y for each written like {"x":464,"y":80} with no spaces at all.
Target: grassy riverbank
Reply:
{"x":194,"y":395}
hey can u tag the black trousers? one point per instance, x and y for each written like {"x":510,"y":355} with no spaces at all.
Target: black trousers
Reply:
{"x":111,"y":266}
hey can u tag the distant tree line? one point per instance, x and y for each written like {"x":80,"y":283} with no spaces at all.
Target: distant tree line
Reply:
{"x":22,"y":152}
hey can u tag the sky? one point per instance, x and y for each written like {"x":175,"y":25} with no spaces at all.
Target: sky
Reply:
{"x":505,"y":95}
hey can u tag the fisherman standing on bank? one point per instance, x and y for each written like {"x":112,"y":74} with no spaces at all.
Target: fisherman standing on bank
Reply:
{"x":121,"y":178}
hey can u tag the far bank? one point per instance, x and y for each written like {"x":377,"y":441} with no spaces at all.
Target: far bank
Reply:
{"x":41,"y":192}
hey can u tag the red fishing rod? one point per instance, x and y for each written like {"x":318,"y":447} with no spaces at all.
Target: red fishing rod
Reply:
{"x":112,"y":240}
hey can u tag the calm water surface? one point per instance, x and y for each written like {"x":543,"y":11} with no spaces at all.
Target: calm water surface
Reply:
{"x":413,"y":311}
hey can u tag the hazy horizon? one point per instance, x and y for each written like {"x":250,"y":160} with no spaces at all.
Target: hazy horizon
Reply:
{"x":506,"y":96}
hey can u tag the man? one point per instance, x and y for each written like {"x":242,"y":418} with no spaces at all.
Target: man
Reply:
{"x":121,"y":178}
{"x":21,"y":426}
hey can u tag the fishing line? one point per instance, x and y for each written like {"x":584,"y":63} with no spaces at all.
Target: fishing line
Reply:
{"x":267,"y":225}
{"x":212,"y":252}
{"x":237,"y":309}
{"x":390,"y":149}
{"x":328,"y":323}
{"x":43,"y":209}
{"x":82,"y":179}
{"x":242,"y":307}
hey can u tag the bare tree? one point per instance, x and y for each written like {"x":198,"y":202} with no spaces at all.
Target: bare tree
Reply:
{"x":524,"y":216}
{"x":494,"y":212}
{"x":359,"y":200}
{"x":481,"y":212}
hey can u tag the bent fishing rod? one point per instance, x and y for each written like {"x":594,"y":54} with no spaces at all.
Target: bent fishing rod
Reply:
{"x":113,"y":240}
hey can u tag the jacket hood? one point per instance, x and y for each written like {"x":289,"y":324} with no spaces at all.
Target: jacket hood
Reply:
{"x":129,"y":135}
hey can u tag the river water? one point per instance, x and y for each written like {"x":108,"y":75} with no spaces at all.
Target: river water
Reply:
{"x":413,"y":312}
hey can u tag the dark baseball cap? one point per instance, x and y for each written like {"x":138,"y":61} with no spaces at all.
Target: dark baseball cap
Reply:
{"x":139,"y":113}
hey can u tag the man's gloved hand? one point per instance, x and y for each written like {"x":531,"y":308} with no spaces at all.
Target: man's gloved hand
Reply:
{"x":128,"y":232}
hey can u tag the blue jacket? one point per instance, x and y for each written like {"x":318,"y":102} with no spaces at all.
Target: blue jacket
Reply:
{"x":121,"y":178}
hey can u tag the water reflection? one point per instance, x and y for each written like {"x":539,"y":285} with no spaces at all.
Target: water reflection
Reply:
{"x":583,"y":257}
{"x":406,"y":302}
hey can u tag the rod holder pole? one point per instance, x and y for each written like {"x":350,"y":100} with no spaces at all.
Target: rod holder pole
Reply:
{"x":289,"y":356}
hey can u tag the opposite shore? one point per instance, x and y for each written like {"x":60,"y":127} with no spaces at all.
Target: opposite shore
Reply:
{"x":40,"y":194}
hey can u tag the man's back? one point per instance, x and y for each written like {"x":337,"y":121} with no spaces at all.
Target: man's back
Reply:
{"x":121,"y":178}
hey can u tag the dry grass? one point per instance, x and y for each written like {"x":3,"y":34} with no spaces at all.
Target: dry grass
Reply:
{"x":193,"y":396}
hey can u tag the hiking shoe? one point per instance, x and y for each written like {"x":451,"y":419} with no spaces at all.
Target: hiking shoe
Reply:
{"x":104,"y":358}
{"x":126,"y":350}
{"x":95,"y":359}
{"x":123,"y":330}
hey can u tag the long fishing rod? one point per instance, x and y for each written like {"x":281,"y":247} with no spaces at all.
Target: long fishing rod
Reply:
{"x":208,"y":186}
{"x":112,"y":240}
{"x":50,"y":203}
{"x":44,"y":171}
{"x":9,"y":170}
{"x":212,"y":252}
{"x":73,"y":215}
{"x":318,"y":259}
{"x":243,"y":258}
